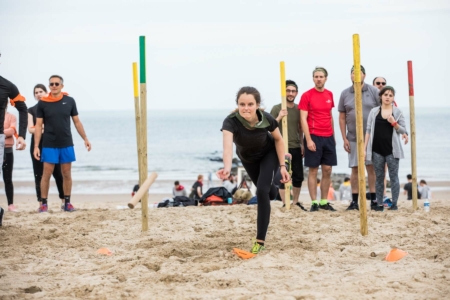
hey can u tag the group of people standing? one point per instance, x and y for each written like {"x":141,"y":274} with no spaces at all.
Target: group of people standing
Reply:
{"x":311,"y":136}
{"x":51,"y":148}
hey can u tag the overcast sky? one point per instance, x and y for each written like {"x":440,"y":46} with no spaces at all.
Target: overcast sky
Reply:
{"x":200,"y":52}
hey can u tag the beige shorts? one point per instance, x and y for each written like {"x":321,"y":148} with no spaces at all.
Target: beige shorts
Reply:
{"x":353,"y":156}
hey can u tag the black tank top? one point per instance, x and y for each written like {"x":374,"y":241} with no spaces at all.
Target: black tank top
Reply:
{"x":382,"y":136}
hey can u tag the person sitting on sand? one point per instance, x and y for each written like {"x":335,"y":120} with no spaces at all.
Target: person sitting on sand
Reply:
{"x":425,"y":192}
{"x":385,"y":126}
{"x":196,"y":190}
{"x":260,"y":147}
{"x":345,"y":190}
{"x":230,"y":184}
{"x":178,"y":189}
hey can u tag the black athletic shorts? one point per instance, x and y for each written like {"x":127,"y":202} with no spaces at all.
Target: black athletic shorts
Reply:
{"x":297,"y":168}
{"x":325,"y":153}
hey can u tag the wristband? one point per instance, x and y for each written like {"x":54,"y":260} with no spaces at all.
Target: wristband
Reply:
{"x":282,"y":166}
{"x":393,"y":124}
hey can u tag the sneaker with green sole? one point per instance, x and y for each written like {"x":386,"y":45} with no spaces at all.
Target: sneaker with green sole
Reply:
{"x":257,"y":248}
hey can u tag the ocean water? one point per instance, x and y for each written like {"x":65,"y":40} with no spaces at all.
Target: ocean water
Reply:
{"x":181,"y":143}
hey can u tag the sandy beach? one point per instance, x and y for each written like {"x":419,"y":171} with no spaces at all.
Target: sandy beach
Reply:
{"x":187,"y":253}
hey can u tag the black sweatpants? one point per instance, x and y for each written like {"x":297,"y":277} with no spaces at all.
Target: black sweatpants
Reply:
{"x":38,"y":169}
{"x":7,"y":169}
{"x":262,"y":174}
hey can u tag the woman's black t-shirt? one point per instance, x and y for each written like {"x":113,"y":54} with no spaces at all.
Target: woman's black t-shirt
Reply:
{"x":251,"y":144}
{"x":382,"y":136}
{"x":32,"y":112}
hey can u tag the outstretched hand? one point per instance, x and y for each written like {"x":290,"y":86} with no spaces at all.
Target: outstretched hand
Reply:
{"x":285,"y":177}
{"x":223,"y":174}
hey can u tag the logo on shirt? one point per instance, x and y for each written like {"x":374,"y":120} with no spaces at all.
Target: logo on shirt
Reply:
{"x":64,"y":103}
{"x":328,"y":101}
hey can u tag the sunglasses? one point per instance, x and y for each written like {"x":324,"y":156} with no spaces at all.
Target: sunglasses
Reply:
{"x":54,"y":83}
{"x":378,"y":83}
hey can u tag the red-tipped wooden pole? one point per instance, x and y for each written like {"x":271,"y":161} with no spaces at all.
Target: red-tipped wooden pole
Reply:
{"x":412,"y":117}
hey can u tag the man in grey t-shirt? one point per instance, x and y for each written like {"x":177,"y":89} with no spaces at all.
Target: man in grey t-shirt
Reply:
{"x":347,"y":124}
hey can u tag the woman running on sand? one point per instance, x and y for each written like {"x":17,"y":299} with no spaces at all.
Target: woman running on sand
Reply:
{"x":385,"y":125}
{"x":10,"y":130}
{"x":40,"y":91}
{"x":260,"y":147}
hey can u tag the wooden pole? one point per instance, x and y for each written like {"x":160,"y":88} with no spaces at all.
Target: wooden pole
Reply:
{"x":284,"y":126}
{"x":143,"y":135}
{"x":137,"y":113}
{"x":360,"y":136}
{"x":412,"y":119}
{"x":143,"y":189}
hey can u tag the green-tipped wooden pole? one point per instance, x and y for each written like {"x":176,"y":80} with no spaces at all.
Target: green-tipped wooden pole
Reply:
{"x":143,"y":136}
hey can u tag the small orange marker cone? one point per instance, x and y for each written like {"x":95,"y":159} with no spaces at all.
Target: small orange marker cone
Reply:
{"x":104,"y":251}
{"x":395,"y":255}
{"x":243,"y":254}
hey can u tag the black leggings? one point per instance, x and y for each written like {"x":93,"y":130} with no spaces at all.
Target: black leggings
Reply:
{"x":7,"y":169}
{"x":262,"y":174}
{"x":38,"y":169}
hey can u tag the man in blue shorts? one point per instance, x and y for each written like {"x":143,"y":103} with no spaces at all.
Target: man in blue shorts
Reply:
{"x":55,"y":112}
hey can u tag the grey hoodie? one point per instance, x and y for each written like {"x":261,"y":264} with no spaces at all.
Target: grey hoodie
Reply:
{"x":397,"y":149}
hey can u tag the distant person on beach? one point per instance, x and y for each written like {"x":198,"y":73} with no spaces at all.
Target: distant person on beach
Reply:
{"x":8,"y":91}
{"x":260,"y":147}
{"x":347,"y":124}
{"x":295,"y":140}
{"x":425,"y":192}
{"x":407,"y":188}
{"x":331,"y":193}
{"x":383,"y":144}
{"x":178,"y":189}
{"x":317,"y":124}
{"x":9,"y":129}
{"x":197,"y":189}
{"x":55,"y":111}
{"x":345,"y":190}
{"x":40,"y":91}
{"x":230,"y":184}
{"x":380,"y":83}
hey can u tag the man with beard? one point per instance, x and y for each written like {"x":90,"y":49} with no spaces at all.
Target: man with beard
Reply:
{"x":317,"y":124}
{"x":295,"y":135}
{"x":347,"y":124}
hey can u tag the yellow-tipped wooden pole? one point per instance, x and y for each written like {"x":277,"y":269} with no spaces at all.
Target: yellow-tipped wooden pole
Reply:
{"x":412,"y":118}
{"x":284,"y":126}
{"x":137,"y":112}
{"x":143,"y":135}
{"x":360,"y":135}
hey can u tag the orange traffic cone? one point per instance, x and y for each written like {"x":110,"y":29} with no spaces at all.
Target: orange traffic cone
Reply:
{"x":395,"y":255}
{"x":243,"y":254}
{"x":104,"y":251}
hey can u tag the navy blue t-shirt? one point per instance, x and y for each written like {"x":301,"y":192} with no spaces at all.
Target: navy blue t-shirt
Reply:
{"x":56,"y":119}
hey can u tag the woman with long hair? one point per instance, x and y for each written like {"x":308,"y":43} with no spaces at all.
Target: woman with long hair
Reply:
{"x":260,"y":147}
{"x":385,"y":125}
{"x":40,"y":91}
{"x":10,"y":131}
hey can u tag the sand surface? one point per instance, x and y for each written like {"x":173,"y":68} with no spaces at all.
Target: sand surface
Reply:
{"x":187,"y":253}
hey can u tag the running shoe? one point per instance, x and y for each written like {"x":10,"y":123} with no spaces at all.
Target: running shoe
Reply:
{"x":379,"y":208}
{"x":314,"y":207}
{"x":327,"y":207}
{"x":1,"y":215}
{"x":373,"y":205}
{"x":12,"y":208}
{"x":257,"y":248}
{"x":301,"y":206}
{"x":69,"y":207}
{"x":62,"y":206}
{"x":43,"y":208}
{"x":353,"y":206}
{"x":393,"y":207}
